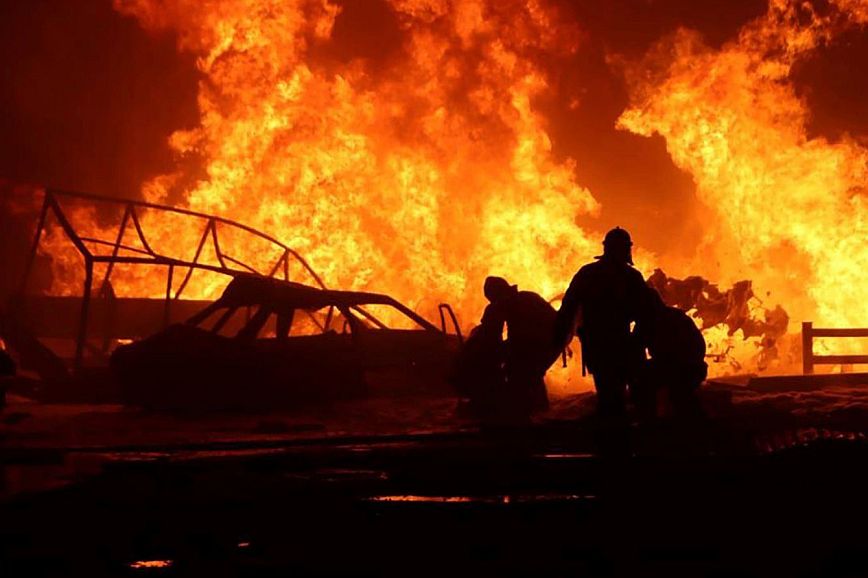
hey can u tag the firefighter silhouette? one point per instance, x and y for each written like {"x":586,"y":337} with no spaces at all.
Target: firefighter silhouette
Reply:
{"x":604,"y":298}
{"x":504,"y":378}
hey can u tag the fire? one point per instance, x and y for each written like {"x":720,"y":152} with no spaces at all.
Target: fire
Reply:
{"x":418,"y":178}
{"x":789,"y":211}
{"x":421,"y":173}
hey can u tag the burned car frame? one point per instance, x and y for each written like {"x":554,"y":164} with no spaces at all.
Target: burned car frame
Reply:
{"x":272,"y":343}
{"x":68,"y":338}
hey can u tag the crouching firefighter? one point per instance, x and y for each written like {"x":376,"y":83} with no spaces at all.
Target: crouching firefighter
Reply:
{"x":676,"y":365}
{"x":504,"y":378}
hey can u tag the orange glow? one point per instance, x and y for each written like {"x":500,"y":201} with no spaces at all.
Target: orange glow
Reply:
{"x":422,"y":175}
{"x":149,"y":564}
{"x":787,"y":211}
{"x":418,"y":180}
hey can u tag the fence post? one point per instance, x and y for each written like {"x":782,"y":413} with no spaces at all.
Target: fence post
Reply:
{"x":85,"y":307}
{"x":807,"y":347}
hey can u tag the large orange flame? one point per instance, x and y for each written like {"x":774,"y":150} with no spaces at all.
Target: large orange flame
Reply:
{"x":789,"y":212}
{"x":422,"y":173}
{"x":418,"y":178}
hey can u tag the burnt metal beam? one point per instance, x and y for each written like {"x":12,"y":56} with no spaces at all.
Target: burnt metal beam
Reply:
{"x":143,"y":204}
{"x":116,"y":247}
{"x":85,"y":307}
{"x":168,"y":310}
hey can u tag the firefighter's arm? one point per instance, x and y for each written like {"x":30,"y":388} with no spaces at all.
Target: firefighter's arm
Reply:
{"x":491,"y":324}
{"x":565,"y":322}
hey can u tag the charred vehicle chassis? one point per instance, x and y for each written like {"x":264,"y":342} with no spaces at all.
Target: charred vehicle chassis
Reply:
{"x":270,"y":343}
{"x":94,"y":322}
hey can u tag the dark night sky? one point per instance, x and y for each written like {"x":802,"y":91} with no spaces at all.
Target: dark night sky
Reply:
{"x":88,"y":99}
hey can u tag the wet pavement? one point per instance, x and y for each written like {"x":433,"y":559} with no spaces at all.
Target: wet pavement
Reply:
{"x":397,"y":488}
{"x":523,"y":503}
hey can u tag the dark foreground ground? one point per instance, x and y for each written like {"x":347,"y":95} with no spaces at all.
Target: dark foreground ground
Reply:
{"x":758,"y":489}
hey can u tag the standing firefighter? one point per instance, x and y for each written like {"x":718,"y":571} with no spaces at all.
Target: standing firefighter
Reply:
{"x":603,"y":299}
{"x":504,"y":379}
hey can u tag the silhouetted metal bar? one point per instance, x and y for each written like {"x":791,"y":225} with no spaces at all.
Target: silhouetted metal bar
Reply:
{"x":277,"y":264}
{"x":166,"y":315}
{"x":31,"y":258}
{"x":85,"y":309}
{"x":109,"y":318}
{"x":162,"y":260}
{"x":240,"y":264}
{"x":88,"y":276}
{"x":839,"y":359}
{"x":67,"y":227}
{"x":214,"y":240}
{"x":446,"y":307}
{"x":313,"y":318}
{"x":166,"y":261}
{"x":139,"y":231}
{"x":854,"y":332}
{"x":369,"y":317}
{"x":116,"y":247}
{"x":203,"y":314}
{"x":50,"y":203}
{"x":807,"y":347}
{"x":110,"y":244}
{"x":225,"y":318}
{"x":139,"y":260}
{"x":135,"y":203}
{"x":307,"y":268}
{"x":194,"y":262}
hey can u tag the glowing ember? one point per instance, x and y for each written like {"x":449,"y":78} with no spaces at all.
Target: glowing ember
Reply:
{"x":432,"y":499}
{"x":507,"y":499}
{"x":142,"y":564}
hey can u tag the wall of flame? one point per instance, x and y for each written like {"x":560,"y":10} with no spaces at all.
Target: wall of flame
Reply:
{"x":421,"y":172}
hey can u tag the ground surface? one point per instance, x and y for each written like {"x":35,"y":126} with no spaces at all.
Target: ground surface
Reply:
{"x":770,"y":484}
{"x":53,"y":444}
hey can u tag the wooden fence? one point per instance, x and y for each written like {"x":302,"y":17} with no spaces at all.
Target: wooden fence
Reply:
{"x":809,"y":360}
